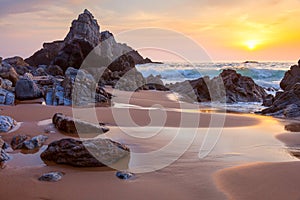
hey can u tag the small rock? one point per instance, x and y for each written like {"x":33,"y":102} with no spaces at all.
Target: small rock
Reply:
{"x":3,"y":156}
{"x":52,"y":176}
{"x":17,"y":141}
{"x":6,"y":123}
{"x":124,"y":175}
{"x":294,"y":127}
{"x":35,"y":142}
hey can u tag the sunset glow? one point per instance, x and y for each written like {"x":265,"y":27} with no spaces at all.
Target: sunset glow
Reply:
{"x":227,"y":30}
{"x":251,"y":44}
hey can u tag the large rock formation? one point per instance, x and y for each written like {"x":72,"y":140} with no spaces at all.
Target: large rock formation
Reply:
{"x":83,"y":37}
{"x":287,"y":103}
{"x":87,"y":153}
{"x":229,"y":87}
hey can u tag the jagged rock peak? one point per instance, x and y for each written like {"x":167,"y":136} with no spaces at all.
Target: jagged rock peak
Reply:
{"x":84,"y":28}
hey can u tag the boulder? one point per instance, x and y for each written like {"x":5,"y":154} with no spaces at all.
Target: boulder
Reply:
{"x":75,"y":126}
{"x":291,"y":77}
{"x":27,"y":89}
{"x":87,"y":153}
{"x":229,"y":87}
{"x":6,"y":123}
{"x":8,"y":72}
{"x":6,"y":84}
{"x":16,"y":61}
{"x":6,"y":97}
{"x":286,"y":104}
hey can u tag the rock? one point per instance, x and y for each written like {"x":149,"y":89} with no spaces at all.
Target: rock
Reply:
{"x":6,"y":97}
{"x":26,"y":89}
{"x":16,"y":61}
{"x":35,"y":142}
{"x":69,"y":125}
{"x":78,"y":153}
{"x":229,"y":87}
{"x":83,"y":36}
{"x":17,"y":141}
{"x":40,"y":71}
{"x":46,"y":55}
{"x":54,"y":70}
{"x":290,"y":78}
{"x":84,"y":28}
{"x":113,"y":50}
{"x":128,"y":78}
{"x":21,"y":142}
{"x":155,"y":83}
{"x":294,"y":127}
{"x":124,"y":175}
{"x":6,"y":84}
{"x":6,"y":123}
{"x":8,"y":72}
{"x":3,"y":156}
{"x":286,"y":104}
{"x":268,"y":100}
{"x":292,"y":111}
{"x":51,"y":177}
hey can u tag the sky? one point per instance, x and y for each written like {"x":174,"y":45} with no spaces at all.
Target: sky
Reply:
{"x":225,"y":30}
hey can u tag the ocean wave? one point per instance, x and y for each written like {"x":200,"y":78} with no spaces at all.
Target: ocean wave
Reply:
{"x":264,"y":74}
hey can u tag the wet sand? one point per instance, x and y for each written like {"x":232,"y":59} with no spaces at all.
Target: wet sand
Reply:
{"x":243,"y":139}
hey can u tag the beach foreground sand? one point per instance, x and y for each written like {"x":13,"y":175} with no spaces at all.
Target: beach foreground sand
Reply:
{"x":244,"y":139}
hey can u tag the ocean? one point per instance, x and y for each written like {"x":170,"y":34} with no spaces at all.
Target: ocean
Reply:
{"x":266,"y":74}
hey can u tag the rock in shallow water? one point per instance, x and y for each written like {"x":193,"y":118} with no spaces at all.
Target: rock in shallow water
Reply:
{"x":6,"y":123}
{"x":124,"y":175}
{"x":3,"y":155}
{"x":70,"y":125}
{"x":87,"y":153}
{"x":19,"y":142}
{"x":52,"y":176}
{"x":35,"y":142}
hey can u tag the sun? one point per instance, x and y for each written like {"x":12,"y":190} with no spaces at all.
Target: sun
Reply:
{"x":251,"y":44}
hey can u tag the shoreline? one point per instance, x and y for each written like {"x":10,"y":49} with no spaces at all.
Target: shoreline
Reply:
{"x":189,"y":177}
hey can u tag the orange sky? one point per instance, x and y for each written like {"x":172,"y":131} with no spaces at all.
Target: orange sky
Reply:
{"x":228,"y":30}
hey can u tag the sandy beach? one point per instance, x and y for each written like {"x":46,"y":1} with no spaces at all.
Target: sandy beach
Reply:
{"x":244,"y":139}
